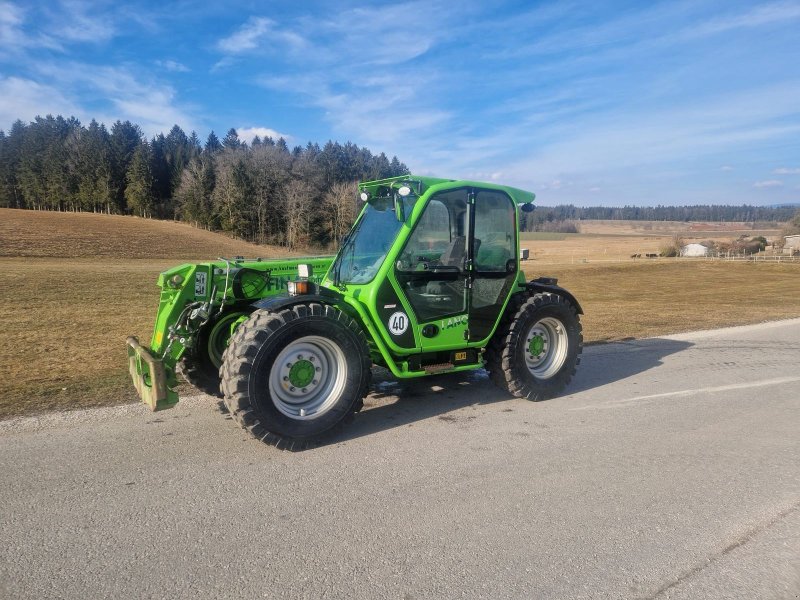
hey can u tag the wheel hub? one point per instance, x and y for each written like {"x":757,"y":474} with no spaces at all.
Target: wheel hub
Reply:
{"x":301,"y":373}
{"x":536,"y":344}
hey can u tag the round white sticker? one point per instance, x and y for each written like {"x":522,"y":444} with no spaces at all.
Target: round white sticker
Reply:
{"x":398,"y":323}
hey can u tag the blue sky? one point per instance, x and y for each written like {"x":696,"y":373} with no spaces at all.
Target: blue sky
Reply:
{"x":591,"y":103}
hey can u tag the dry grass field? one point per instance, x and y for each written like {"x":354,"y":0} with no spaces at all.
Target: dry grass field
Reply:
{"x":691,"y":229}
{"x":616,"y":241}
{"x":74,"y":286}
{"x":28,"y":233}
{"x":644,"y":299}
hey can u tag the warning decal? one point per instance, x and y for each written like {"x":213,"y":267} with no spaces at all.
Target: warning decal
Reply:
{"x":200,"y":279}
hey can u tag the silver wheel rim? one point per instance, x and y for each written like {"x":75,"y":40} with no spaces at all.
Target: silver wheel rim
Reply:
{"x":320,"y":390}
{"x":546,"y":347}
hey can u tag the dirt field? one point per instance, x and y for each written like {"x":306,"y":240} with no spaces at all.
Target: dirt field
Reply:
{"x":65,"y":316}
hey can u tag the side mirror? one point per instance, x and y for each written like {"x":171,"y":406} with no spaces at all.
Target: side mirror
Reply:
{"x":511,"y":265}
{"x":527,"y":207}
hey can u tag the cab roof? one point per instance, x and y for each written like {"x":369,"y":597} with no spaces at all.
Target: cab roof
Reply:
{"x":421,"y":184}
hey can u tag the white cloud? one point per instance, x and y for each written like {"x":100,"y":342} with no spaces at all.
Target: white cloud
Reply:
{"x":726,"y":168}
{"x":173,"y":66}
{"x":601,"y":142}
{"x":338,"y":68}
{"x":26,"y":99}
{"x":776,"y":12}
{"x":10,"y":19}
{"x":786,"y":171}
{"x":247,"y":37}
{"x":82,"y":23}
{"x":255,"y":31}
{"x":246,"y":134}
{"x":371,"y":111}
{"x":149,"y":103}
{"x":13,"y":38}
{"x":768,"y":183}
{"x":391,"y":26}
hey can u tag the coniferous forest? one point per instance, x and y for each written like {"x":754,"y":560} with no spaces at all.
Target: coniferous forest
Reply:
{"x":263,"y":191}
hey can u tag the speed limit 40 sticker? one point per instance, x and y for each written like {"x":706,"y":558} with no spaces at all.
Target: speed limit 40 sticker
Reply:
{"x":398,"y":323}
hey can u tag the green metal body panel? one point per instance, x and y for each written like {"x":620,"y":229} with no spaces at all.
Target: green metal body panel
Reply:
{"x":210,"y":288}
{"x":363,"y":298}
{"x":191,"y":294}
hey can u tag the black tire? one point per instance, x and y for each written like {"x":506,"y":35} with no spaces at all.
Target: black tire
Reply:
{"x":536,"y":348}
{"x":259,"y":377}
{"x":200,"y":365}
{"x":198,"y":376}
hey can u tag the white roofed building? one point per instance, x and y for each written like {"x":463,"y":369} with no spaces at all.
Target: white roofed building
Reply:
{"x":694,"y":250}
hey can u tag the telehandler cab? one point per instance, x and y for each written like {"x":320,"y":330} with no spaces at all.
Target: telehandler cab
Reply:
{"x":427,"y":281}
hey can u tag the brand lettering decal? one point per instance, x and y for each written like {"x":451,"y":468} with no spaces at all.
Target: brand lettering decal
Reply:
{"x":453,"y":322}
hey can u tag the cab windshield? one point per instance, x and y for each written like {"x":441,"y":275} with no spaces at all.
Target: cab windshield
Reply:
{"x":365,"y":247}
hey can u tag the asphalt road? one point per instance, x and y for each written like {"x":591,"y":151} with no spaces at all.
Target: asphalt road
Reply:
{"x":670,"y":469}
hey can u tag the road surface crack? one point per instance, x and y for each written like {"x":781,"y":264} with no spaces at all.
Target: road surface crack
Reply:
{"x":740,"y":541}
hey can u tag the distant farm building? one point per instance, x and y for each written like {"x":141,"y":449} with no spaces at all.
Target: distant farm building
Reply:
{"x":792,"y":244}
{"x":694,"y":250}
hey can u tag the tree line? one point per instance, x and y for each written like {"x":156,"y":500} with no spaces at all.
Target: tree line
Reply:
{"x":262,"y":191}
{"x":546,"y":218}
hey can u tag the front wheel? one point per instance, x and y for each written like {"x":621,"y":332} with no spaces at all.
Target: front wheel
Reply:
{"x":534,"y":354}
{"x":290,"y":377}
{"x":200,"y":365}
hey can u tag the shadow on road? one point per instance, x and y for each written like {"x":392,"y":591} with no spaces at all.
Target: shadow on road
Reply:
{"x":436,"y":396}
{"x":603,"y":364}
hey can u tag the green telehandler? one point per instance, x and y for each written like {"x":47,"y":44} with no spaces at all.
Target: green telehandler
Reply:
{"x":427,"y":281}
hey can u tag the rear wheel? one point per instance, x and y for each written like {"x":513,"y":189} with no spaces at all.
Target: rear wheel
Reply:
{"x":293,"y":376}
{"x":535,"y":352}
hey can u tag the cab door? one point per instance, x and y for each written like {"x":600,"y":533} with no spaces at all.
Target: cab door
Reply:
{"x":432,"y":270}
{"x":493,"y":259}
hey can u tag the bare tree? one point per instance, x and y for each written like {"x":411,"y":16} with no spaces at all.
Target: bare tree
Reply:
{"x":296,"y":205}
{"x":269,"y":170}
{"x":341,"y":207}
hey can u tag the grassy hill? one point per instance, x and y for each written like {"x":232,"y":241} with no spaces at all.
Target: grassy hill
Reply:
{"x":75,"y":285}
{"x":28,"y":233}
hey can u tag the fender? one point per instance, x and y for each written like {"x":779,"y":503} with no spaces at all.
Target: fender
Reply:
{"x":549,"y":284}
{"x":325,"y":296}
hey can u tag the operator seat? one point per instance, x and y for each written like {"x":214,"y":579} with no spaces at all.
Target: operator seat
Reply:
{"x":454,"y":256}
{"x":456,"y":252}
